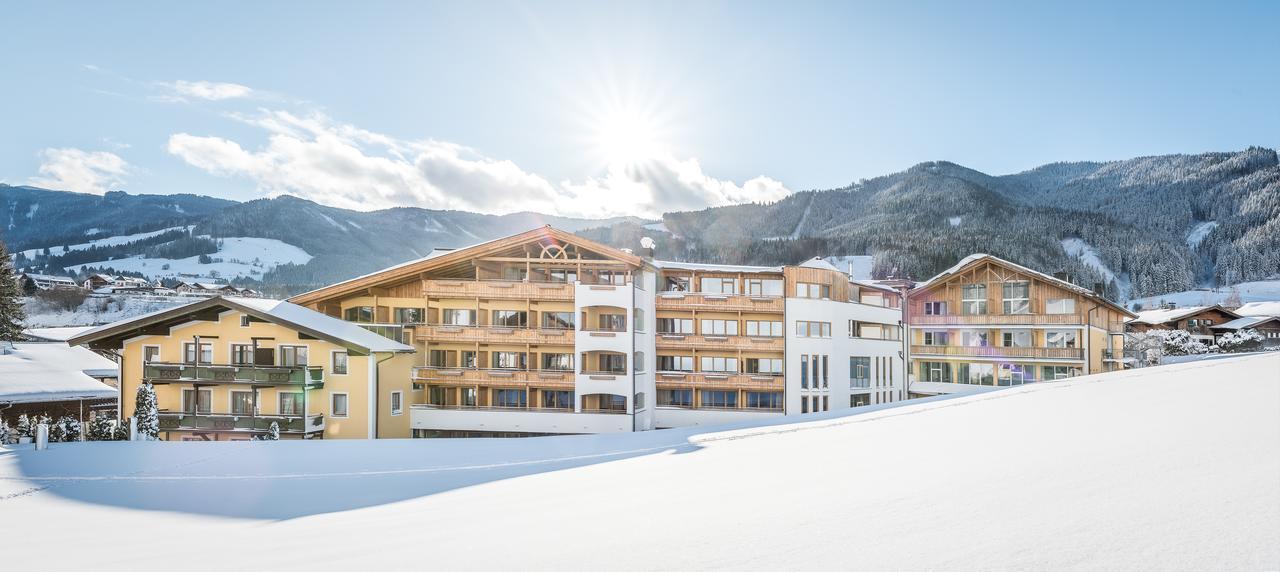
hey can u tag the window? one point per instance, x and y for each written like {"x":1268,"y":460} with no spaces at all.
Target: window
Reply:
{"x":358,"y":314}
{"x":557,"y":320}
{"x":811,"y":290}
{"x":242,"y":403}
{"x":873,"y":331}
{"x":675,"y":397}
{"x":824,"y":371}
{"x":410,"y":315}
{"x":764,"y":287}
{"x":935,"y":338}
{"x":293,"y":355}
{"x":189,"y":353}
{"x":724,"y":399}
{"x":451,"y":317}
{"x":511,"y":318}
{"x":339,"y":363}
{"x":639,"y":400}
{"x":720,"y":285}
{"x":467,"y":396}
{"x":1060,"y":306}
{"x":1060,"y":338}
{"x":241,"y":354}
{"x":764,"y":365}
{"x":615,"y":277}
{"x":675,"y":284}
{"x":973,"y":338}
{"x":637,"y":361}
{"x":338,"y":404}
{"x":150,"y":354}
{"x":612,"y":322}
{"x":935,"y":308}
{"x":806,"y":329}
{"x":804,"y":371}
{"x":804,"y":405}
{"x":973,"y":299}
{"x":562,"y":276}
{"x":1016,"y":374}
{"x":719,"y":327}
{"x":859,"y":399}
{"x":438,"y":358}
{"x":937,"y":372}
{"x":397,"y":402}
{"x":764,"y":400}
{"x":1016,"y":339}
{"x":244,"y":320}
{"x":197,"y":401}
{"x":509,"y":360}
{"x":637,"y":319}
{"x":720,"y":364}
{"x":515,"y":273}
{"x":675,"y":326}
{"x":509,"y":398}
{"x":976,"y":373}
{"x":1052,"y":372}
{"x":1017,"y":297}
{"x":291,"y":403}
{"x":859,"y":372}
{"x":675,"y":363}
{"x":557,"y":399}
{"x":612,"y":363}
{"x":557,"y":362}
{"x":764,"y":328}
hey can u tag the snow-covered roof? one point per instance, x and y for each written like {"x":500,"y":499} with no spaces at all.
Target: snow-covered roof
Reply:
{"x":820,"y":264}
{"x":1166,"y":315}
{"x":49,"y":277}
{"x":55,"y":334}
{"x":1047,"y":278}
{"x":275,"y":311}
{"x":674,"y":265}
{"x":1243,"y":323}
{"x":1269,"y":308}
{"x":34,"y":372}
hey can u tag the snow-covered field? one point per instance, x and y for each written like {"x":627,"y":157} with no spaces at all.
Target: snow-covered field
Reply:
{"x":1146,"y":469}
{"x":99,"y":310}
{"x":1259,"y":291}
{"x":238,"y":256}
{"x":108,"y":241}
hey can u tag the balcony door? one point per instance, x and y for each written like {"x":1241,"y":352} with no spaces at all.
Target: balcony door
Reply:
{"x":264,"y":356}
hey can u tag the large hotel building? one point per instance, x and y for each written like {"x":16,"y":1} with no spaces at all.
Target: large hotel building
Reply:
{"x":542,"y":332}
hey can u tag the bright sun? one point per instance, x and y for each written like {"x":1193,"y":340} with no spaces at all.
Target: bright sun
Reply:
{"x":627,"y":137}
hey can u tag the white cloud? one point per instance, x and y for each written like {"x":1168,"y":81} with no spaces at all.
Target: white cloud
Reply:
{"x":210,"y":90}
{"x":71,"y":169}
{"x":342,"y":165}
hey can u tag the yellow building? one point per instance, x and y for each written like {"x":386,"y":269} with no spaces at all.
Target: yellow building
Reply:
{"x":987,"y":321}
{"x":227,"y":368}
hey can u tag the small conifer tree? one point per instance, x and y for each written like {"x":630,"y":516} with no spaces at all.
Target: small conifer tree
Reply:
{"x":147,"y":413}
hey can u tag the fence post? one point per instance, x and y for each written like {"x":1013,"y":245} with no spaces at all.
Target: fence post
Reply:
{"x":133,"y":428}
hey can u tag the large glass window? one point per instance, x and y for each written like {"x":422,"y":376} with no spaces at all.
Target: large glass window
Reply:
{"x":612,"y":363}
{"x":189,"y":353}
{"x":804,"y":371}
{"x":557,"y":320}
{"x":557,"y":399}
{"x":935,"y":308}
{"x":293,"y":356}
{"x":242,"y":403}
{"x":719,"y":364}
{"x":974,"y":338}
{"x":675,"y":325}
{"x":612,"y":322}
{"x":812,"y":290}
{"x":1016,"y":374}
{"x":859,"y":372}
{"x":935,"y":371}
{"x":509,"y":398}
{"x":1052,"y":372}
{"x":761,"y":328}
{"x":410,"y":315}
{"x":764,"y":287}
{"x":557,"y":362}
{"x":197,"y":401}
{"x":675,"y":363}
{"x":358,"y":314}
{"x":719,"y":285}
{"x":806,"y":329}
{"x":509,"y":360}
{"x":764,"y":365}
{"x":712,"y":398}
{"x":764,"y":400}
{"x":291,"y":403}
{"x":339,"y":364}
{"x":977,"y":373}
{"x":1017,"y":297}
{"x":1060,"y":306}
{"x":719,"y":327}
{"x":455,"y":317}
{"x":675,"y":397}
{"x":1016,"y":339}
{"x":241,"y":354}
{"x":935,"y":338}
{"x":973,"y":299}
{"x":511,"y":318}
{"x":675,"y":284}
{"x":1060,"y":338}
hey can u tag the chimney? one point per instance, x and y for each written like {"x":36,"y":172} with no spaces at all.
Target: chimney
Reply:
{"x":1099,"y":288}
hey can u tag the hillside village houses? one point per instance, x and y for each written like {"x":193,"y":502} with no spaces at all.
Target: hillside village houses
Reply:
{"x":545,"y":332}
{"x":100,"y":283}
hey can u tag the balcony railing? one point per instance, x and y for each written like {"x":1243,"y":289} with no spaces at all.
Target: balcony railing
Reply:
{"x":727,"y":302}
{"x":517,"y":408}
{"x":477,"y":376}
{"x":170,"y":420}
{"x":493,"y":334}
{"x":999,"y":351}
{"x":678,"y":379}
{"x":310,"y":376}
{"x":390,"y":331}
{"x":498,"y":289}
{"x":862,"y":383}
{"x":918,"y":319}
{"x":675,"y":341}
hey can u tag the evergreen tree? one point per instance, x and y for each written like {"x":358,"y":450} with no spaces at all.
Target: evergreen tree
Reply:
{"x":147,"y":413}
{"x":273,"y":433}
{"x":11,"y":314}
{"x":70,"y":428}
{"x":6,"y":434}
{"x":101,"y":428}
{"x":24,"y":427}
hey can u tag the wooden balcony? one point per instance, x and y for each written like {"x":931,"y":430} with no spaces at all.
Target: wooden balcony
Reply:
{"x":998,"y":352}
{"x":703,"y":380}
{"x":493,"y":335}
{"x":187,"y":421}
{"x":498,"y":290}
{"x":161,"y":372}
{"x":470,"y":377}
{"x":998,"y":319}
{"x":730,"y":343}
{"x":719,"y":302}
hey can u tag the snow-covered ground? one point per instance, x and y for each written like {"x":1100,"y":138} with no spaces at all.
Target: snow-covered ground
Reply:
{"x":1078,"y":248}
{"x":862,"y":265}
{"x":238,"y":256}
{"x":97,"y":310}
{"x":1258,"y":291}
{"x":1136,"y":470}
{"x":1199,"y":231}
{"x":108,"y":241}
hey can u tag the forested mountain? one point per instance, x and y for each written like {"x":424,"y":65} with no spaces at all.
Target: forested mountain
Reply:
{"x":1146,"y":226}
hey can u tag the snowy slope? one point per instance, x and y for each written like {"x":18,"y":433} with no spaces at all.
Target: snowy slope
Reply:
{"x":1258,"y":291}
{"x":1199,"y":231}
{"x":1010,"y":479}
{"x":1081,"y":249}
{"x":239,"y":256}
{"x":108,"y":241}
{"x":95,"y":311}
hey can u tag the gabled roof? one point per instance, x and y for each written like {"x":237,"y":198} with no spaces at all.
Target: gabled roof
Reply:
{"x":50,"y":277}
{"x":293,"y":316}
{"x":673,"y":265}
{"x":1268,"y":308}
{"x":41,"y":371}
{"x":1246,"y":323}
{"x":1166,"y":315}
{"x":441,"y":258}
{"x":977,"y":258}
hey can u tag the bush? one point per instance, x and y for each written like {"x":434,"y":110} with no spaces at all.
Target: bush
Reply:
{"x":1242,"y":341}
{"x":63,"y":299}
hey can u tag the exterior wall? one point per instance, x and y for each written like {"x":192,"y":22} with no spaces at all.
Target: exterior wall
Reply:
{"x":670,"y":417}
{"x":887,"y":375}
{"x":393,"y":376}
{"x":1201,"y":332}
{"x":645,"y":349}
{"x":527,"y":421}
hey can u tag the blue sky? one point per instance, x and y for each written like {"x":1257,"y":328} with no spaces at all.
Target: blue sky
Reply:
{"x":599,"y":109}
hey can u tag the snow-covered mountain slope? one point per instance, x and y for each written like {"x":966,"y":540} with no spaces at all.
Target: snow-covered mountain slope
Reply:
{"x":237,"y":256}
{"x":1080,"y":249}
{"x":97,"y":310}
{"x":1084,"y":473}
{"x":1256,"y":291}
{"x":107,"y":241}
